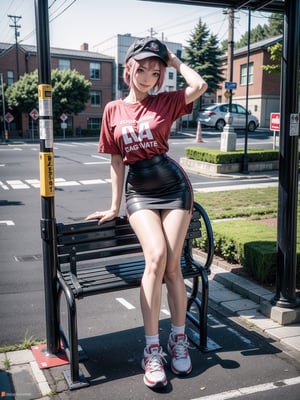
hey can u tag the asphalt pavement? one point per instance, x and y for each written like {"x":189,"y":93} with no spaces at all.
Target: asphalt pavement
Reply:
{"x":230,"y":294}
{"x":235,"y":297}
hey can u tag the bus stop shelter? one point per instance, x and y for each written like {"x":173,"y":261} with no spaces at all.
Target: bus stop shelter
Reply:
{"x":285,"y":296}
{"x":289,"y":135}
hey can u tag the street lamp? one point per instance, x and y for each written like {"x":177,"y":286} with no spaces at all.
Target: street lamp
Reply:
{"x":3,"y":107}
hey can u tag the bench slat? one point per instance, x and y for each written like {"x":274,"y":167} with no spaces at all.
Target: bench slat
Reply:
{"x":105,"y":278}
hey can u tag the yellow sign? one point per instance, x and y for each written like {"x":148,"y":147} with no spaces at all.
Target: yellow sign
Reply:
{"x":227,"y":94}
{"x":47,"y":184}
{"x":45,"y":92}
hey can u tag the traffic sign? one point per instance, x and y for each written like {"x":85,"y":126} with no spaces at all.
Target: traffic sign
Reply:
{"x":9,"y":117}
{"x":230,"y":85}
{"x":63,"y":117}
{"x":294,"y":124}
{"x":275,"y":122}
{"x":34,"y":114}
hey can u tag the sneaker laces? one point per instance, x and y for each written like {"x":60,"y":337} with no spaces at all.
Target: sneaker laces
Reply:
{"x":155,"y":360}
{"x":180,"y":348}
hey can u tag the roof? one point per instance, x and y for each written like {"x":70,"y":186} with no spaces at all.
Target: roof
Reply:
{"x":54,"y":51}
{"x":254,"y":5}
{"x":262,"y":44}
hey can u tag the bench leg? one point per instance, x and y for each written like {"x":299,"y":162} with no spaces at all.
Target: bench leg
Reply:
{"x":200,"y":321}
{"x":74,"y":377}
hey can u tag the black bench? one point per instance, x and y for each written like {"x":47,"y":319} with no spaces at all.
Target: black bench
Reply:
{"x":91,"y":260}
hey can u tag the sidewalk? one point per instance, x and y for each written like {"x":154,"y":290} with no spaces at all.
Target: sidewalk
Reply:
{"x":234,"y":294}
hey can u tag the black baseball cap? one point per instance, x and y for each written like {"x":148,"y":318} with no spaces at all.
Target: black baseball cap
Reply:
{"x":147,"y":47}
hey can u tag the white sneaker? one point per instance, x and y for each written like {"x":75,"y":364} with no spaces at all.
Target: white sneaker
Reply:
{"x":178,"y":348}
{"x":152,"y":363}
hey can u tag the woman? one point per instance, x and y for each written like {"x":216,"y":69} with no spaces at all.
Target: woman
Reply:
{"x":158,"y":194}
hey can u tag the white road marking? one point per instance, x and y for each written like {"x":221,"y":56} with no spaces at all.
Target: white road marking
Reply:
{"x":92,"y":181}
{"x":233,"y":394}
{"x":8,"y":223}
{"x":125,"y":303}
{"x":17,"y":184}
{"x":33,"y":182}
{"x":4,"y":186}
{"x":165,"y":311}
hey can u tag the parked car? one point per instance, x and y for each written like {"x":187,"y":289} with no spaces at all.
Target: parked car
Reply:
{"x":213,"y":116}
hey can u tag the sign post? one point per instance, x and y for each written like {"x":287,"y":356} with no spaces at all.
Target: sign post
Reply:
{"x":274,"y":126}
{"x":8,"y":118}
{"x":47,"y":190}
{"x":63,"y":125}
{"x":34,"y":115}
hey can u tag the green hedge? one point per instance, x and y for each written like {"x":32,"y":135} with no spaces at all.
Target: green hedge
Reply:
{"x":249,"y":243}
{"x":231,"y":157}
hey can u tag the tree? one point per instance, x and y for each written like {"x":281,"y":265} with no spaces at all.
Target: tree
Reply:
{"x":203,"y":55}
{"x":275,"y":56}
{"x":70,"y":93}
{"x":22,"y":95}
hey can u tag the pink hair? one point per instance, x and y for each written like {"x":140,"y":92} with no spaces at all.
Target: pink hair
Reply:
{"x":133,"y":65}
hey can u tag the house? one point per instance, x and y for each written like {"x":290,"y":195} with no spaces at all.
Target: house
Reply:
{"x":95,"y":67}
{"x":263,"y":88}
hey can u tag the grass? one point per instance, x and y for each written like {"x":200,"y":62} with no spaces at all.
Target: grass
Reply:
{"x":24,"y":345}
{"x":244,"y":228}
{"x":255,"y":203}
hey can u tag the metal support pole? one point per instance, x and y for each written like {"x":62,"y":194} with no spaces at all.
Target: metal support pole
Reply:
{"x":228,"y":136}
{"x":3,"y":108}
{"x":288,"y":162}
{"x":47,"y":188}
{"x":245,"y":155}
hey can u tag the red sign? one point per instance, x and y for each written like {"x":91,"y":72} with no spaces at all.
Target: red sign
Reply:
{"x":275,"y":122}
{"x":9,"y":117}
{"x":34,"y":114}
{"x":63,"y":117}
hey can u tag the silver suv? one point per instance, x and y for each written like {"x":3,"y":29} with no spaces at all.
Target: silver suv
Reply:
{"x":213,"y":116}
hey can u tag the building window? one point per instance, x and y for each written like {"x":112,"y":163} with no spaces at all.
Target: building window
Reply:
{"x":94,"y":123}
{"x":171,"y":75}
{"x":243,"y":78}
{"x":10,"y":77}
{"x":95,"y":71}
{"x":64,"y":65}
{"x":96,"y":99}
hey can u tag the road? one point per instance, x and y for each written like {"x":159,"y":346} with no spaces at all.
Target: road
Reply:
{"x":82,"y":186}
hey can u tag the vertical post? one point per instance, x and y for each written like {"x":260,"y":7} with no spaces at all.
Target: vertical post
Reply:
{"x":288,"y":162}
{"x":3,"y":109}
{"x":47,"y":189}
{"x":245,"y":155}
{"x":228,"y":136}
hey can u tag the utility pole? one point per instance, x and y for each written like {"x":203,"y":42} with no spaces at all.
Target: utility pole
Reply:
{"x":152,"y":32}
{"x":228,"y":136}
{"x":15,"y":19}
{"x":3,"y":108}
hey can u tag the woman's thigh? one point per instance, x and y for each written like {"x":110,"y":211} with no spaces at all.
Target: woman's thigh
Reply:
{"x":147,"y":225}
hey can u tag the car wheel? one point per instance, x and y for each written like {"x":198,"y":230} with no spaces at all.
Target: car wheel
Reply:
{"x":251,"y":126}
{"x":220,"y":124}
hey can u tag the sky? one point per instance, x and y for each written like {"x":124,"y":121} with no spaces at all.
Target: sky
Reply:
{"x":73,"y":22}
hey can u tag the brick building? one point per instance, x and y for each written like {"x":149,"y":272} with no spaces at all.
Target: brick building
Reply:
{"x":95,"y":67}
{"x":263,"y":88}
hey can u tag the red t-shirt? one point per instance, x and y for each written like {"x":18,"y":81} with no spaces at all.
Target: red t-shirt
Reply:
{"x":141,"y":130}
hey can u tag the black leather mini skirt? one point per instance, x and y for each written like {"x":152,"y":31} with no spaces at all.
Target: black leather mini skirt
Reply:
{"x":157,"y":183}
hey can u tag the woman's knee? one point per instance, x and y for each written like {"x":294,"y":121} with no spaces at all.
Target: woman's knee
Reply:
{"x":156,"y":261}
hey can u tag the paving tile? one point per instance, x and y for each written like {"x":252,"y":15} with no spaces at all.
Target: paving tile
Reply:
{"x":24,"y":383}
{"x":253,"y":316}
{"x":284,"y":332}
{"x":293,"y":342}
{"x":239,"y":305}
{"x":20,"y":357}
{"x":220,"y":295}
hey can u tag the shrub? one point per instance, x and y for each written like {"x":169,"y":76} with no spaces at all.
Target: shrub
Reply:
{"x":231,"y":157}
